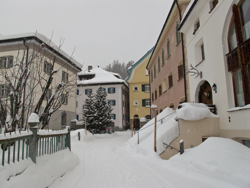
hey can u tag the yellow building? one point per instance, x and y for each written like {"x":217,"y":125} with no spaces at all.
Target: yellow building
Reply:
{"x":139,"y":88}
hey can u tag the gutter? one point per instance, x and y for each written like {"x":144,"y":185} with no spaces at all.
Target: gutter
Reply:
{"x":183,"y":53}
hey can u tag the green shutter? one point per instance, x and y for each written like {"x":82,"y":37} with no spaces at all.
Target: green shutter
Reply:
{"x":10,"y":62}
{"x":143,"y":102}
{"x":143,"y":87}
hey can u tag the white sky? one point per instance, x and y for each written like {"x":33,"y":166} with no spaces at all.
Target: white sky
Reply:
{"x":101,"y":30}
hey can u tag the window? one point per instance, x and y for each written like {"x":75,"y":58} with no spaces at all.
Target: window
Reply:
{"x":152,"y":97}
{"x":154,"y":70}
{"x":180,"y":71}
{"x":64,"y":99}
{"x":64,"y":118}
{"x":6,"y":62}
{"x":136,"y":103}
{"x":111,"y":102}
{"x":77,"y":117}
{"x":202,"y":53}
{"x":47,"y":68}
{"x":147,"y":72}
{"x":159,"y":64}
{"x":146,"y":102}
{"x":155,"y":94}
{"x":113,"y":116}
{"x":162,"y":57}
{"x":65,"y":76}
{"x":145,"y":87}
{"x":77,"y":91}
{"x":48,"y":94}
{"x":135,"y":88}
{"x":213,"y":3}
{"x":170,"y":80}
{"x":160,"y":90}
{"x":178,"y":34}
{"x":152,"y":75}
{"x":88,"y":91}
{"x":196,"y":26}
{"x":4,"y":91}
{"x":239,"y":67}
{"x":164,"y":85}
{"x":111,"y":90}
{"x":168,"y":48}
{"x":101,"y":89}
{"x":246,"y":143}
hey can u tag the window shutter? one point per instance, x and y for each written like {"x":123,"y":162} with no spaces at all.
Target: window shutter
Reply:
{"x":108,"y":90}
{"x":114,"y":90}
{"x":44,"y":66}
{"x":114,"y":116}
{"x":0,"y":62}
{"x":63,"y":76}
{"x":108,"y":102}
{"x":77,"y":117}
{"x":86,"y":91}
{"x":143,"y":102}
{"x":143,"y":87}
{"x":10,"y":63}
{"x":114,"y":102}
{"x":77,"y":92}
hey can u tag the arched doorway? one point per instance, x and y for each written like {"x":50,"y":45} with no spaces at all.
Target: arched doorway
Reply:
{"x":205,"y":93}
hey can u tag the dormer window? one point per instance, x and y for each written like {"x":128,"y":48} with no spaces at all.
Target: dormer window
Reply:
{"x":196,"y":26}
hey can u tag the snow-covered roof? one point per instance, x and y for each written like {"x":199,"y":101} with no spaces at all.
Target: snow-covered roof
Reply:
{"x":101,"y":76}
{"x":43,"y":39}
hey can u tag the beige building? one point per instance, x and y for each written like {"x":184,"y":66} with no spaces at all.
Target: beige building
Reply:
{"x":41,"y":55}
{"x":166,"y":65}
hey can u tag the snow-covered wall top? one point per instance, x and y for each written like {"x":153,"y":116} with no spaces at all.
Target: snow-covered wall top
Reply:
{"x":101,"y":76}
{"x":43,"y":39}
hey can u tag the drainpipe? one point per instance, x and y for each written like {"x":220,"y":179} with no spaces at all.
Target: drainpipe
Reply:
{"x":24,"y":89}
{"x":183,"y":54}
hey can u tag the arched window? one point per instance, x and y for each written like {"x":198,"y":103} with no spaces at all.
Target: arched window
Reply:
{"x":178,"y":34}
{"x":159,"y":64}
{"x":168,"y":48}
{"x":162,"y":56}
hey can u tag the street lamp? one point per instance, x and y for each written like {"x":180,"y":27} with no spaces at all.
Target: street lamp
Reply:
{"x":154,"y":107}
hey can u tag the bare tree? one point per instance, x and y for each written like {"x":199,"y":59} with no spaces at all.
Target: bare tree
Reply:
{"x":28,"y":85}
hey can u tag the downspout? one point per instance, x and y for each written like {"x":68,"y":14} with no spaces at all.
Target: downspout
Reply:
{"x":183,"y":54}
{"x":24,"y":89}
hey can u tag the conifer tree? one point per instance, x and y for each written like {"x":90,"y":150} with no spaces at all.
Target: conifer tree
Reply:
{"x":88,"y":110}
{"x":102,"y":110}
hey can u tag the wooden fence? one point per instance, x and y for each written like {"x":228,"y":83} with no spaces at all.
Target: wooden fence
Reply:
{"x":32,"y":144}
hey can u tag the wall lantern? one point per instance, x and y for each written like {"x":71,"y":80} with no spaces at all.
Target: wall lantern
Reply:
{"x":214,"y":88}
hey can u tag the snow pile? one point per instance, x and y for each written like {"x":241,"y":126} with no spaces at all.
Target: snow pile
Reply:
{"x":193,"y":111}
{"x":222,"y":161}
{"x":15,"y":134}
{"x":167,"y":131}
{"x":40,"y":175}
{"x":83,"y":136}
{"x":34,"y":118}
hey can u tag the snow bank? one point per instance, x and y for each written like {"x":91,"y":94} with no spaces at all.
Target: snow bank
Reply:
{"x":83,"y":136}
{"x":218,"y":158}
{"x":167,"y":131}
{"x":193,"y":111}
{"x":40,"y":175}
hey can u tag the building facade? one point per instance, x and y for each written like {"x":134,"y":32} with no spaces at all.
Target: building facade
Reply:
{"x":166,"y":65}
{"x":117,"y":94}
{"x":218,"y":41}
{"x":139,"y":88}
{"x":42,"y":53}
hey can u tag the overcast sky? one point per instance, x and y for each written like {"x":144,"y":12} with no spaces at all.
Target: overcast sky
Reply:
{"x":101,"y":30}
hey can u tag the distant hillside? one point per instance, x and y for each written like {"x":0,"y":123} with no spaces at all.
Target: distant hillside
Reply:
{"x":120,"y":68}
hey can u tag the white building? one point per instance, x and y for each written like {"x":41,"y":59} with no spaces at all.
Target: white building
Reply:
{"x":217,"y":38}
{"x":117,"y":94}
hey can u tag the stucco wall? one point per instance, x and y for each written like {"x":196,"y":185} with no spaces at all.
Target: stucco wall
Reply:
{"x":192,"y":133}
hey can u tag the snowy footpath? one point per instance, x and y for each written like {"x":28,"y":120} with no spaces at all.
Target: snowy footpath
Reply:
{"x":110,"y":161}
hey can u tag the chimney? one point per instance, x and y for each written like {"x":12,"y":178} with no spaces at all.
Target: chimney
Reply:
{"x":90,"y":68}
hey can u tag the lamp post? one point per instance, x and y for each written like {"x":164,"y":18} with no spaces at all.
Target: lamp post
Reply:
{"x":154,"y":107}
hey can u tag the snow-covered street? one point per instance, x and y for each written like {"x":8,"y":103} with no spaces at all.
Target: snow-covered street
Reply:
{"x":108,"y":161}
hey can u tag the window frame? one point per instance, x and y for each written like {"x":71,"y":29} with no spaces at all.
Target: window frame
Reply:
{"x":6,"y":62}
